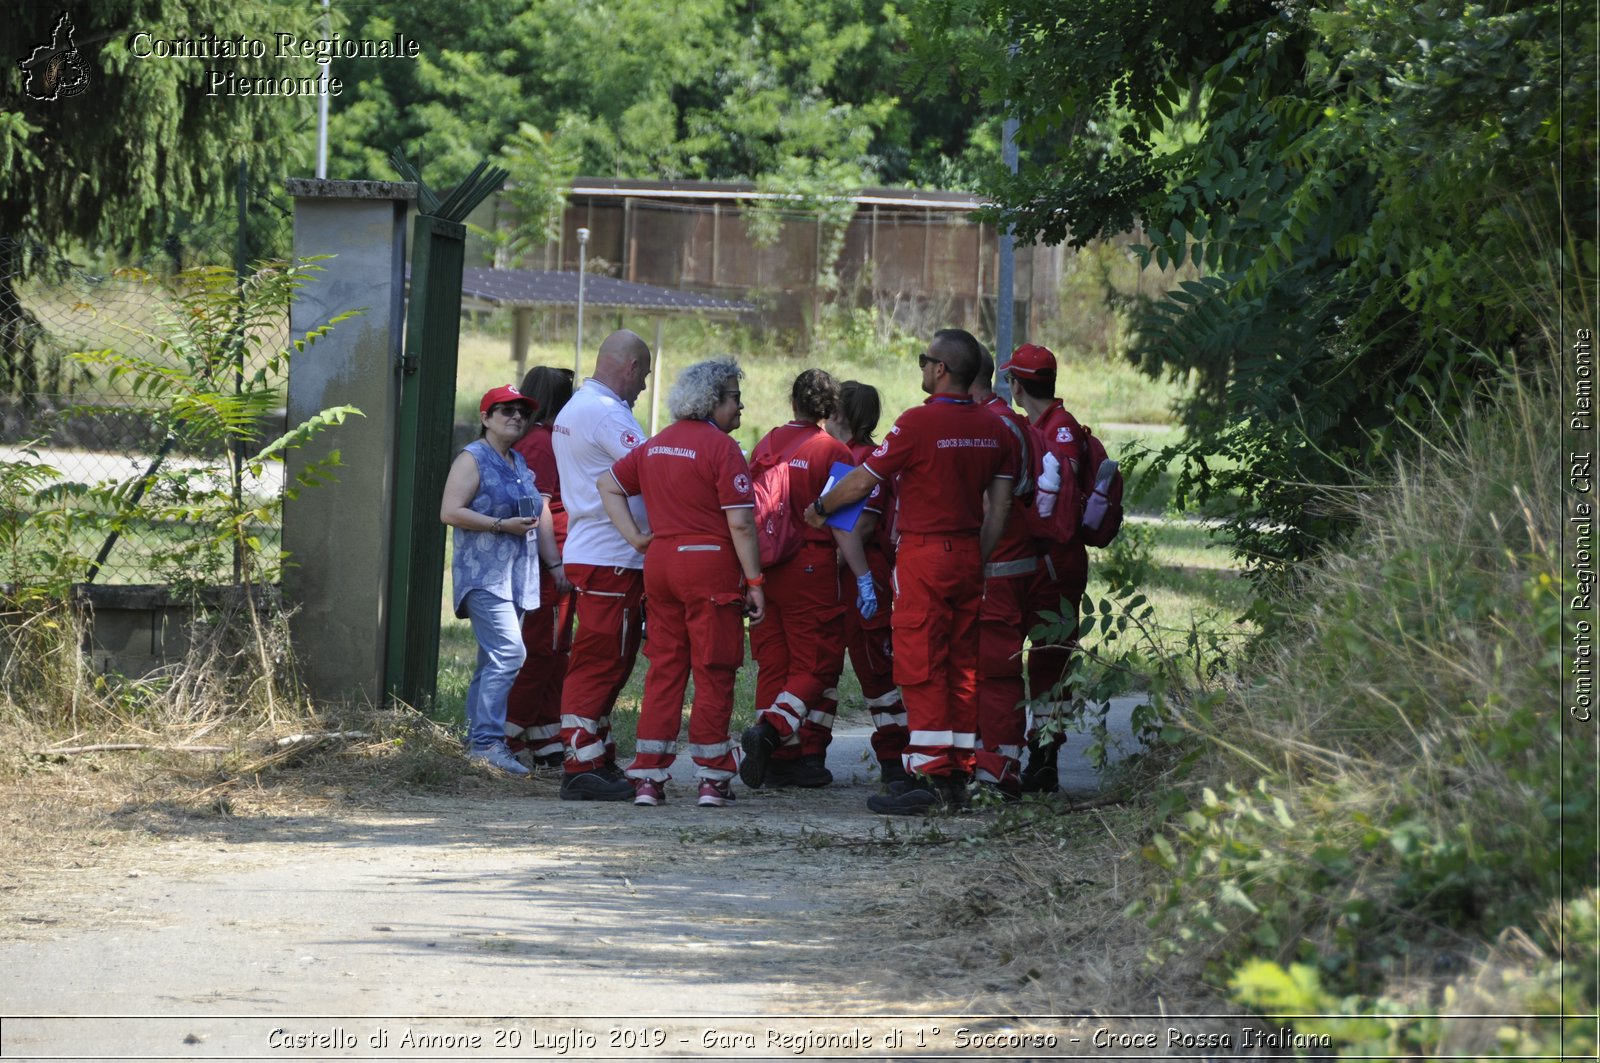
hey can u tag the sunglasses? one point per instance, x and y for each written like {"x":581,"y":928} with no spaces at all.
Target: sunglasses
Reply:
{"x":519,"y":412}
{"x":923,"y":360}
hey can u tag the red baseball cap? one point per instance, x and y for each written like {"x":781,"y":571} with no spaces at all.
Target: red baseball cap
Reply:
{"x":1032,"y":362}
{"x":495,"y":396}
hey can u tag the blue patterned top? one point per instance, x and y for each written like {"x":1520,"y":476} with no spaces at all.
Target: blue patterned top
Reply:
{"x":504,"y":565}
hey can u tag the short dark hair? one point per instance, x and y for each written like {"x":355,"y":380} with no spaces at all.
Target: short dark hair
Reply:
{"x":985,"y":368}
{"x":548,"y":387}
{"x":1036,"y":389}
{"x":960,"y":352}
{"x":815,"y":394}
{"x":859,"y":406}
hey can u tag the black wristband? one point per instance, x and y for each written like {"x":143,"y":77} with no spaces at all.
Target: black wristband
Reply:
{"x":817,"y":505}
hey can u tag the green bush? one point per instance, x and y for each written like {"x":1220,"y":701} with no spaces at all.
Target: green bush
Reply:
{"x":1384,"y":787}
{"x":1130,"y":560}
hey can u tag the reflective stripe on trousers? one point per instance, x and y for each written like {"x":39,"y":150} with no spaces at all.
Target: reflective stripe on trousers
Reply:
{"x":790,"y":710}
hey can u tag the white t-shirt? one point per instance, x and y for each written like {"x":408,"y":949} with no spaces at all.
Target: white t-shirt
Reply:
{"x":593,"y":430}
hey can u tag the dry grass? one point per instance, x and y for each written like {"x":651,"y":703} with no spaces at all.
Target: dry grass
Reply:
{"x":1379,"y":799}
{"x":1024,"y":917}
{"x":224,"y":733}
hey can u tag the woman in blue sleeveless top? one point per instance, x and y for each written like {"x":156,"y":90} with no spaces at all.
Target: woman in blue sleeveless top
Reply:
{"x":503,"y":532}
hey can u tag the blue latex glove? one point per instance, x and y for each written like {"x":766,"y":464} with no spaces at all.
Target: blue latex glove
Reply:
{"x":866,"y":597}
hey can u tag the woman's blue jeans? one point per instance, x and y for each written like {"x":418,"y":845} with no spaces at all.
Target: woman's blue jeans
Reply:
{"x":497,"y":624}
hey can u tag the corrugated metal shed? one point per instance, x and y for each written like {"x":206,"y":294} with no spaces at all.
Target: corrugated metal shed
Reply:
{"x":513,"y":288}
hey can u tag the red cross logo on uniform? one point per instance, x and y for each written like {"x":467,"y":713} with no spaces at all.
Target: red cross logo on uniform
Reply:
{"x":631,"y":439}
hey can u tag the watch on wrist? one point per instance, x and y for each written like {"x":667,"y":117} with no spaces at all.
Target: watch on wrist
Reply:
{"x":817,"y":505}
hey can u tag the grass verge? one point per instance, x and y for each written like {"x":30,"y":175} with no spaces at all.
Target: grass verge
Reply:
{"x":1382,"y":818}
{"x":1099,"y":391}
{"x":1376,"y":830}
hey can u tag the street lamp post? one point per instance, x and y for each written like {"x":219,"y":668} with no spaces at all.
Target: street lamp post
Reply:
{"x":1005,"y":299}
{"x":577,"y":354}
{"x":322,"y":99}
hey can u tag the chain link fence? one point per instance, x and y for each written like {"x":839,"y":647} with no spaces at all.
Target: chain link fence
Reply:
{"x":65,"y":324}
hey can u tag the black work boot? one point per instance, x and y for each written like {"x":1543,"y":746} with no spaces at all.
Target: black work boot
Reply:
{"x":1039,"y":775}
{"x":758,"y":740}
{"x":593,"y":785}
{"x":914,"y":797}
{"x":922,"y":795}
{"x":1007,"y":790}
{"x":952,"y":791}
{"x":892,"y":771}
{"x":809,"y":772}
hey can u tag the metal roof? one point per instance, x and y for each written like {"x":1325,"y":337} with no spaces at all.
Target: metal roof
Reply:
{"x":733,"y":191}
{"x":528,"y":287}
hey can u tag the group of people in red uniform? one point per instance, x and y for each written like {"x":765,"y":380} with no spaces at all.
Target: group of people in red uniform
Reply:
{"x":951,"y":565}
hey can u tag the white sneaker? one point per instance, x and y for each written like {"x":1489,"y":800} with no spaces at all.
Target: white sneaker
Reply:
{"x":498,"y":757}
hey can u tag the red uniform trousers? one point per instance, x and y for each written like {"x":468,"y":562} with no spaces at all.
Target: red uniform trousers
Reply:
{"x":938,"y":591}
{"x":610,"y":614}
{"x":533,"y":707}
{"x":696,"y":625}
{"x":1002,"y":629}
{"x":870,"y":644}
{"x":1066,"y":575}
{"x":799,"y":650}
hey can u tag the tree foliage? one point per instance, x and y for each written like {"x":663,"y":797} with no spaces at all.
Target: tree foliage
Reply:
{"x":1369,"y":190}
{"x":803,"y":92}
{"x":143,"y":147}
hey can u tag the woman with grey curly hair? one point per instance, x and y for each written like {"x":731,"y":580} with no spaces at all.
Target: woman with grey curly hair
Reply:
{"x":698,"y":389}
{"x":702,"y":576}
{"x":799,"y":651}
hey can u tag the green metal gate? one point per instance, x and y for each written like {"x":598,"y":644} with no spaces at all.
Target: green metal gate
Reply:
{"x":427,"y":414}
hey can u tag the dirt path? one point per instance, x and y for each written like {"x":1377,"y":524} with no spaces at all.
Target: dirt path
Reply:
{"x":542,"y":928}
{"x":466,"y":914}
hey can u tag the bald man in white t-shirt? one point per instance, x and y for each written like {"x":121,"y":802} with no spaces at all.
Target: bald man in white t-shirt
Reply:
{"x":594,"y":430}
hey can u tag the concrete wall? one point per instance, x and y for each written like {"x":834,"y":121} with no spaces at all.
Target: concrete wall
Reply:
{"x":338,"y":535}
{"x":136,"y":630}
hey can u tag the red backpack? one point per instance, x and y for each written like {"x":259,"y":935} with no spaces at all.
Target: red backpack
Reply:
{"x":777,"y":524}
{"x":1100,"y":486}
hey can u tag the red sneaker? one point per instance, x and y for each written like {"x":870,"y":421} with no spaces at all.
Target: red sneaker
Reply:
{"x":648,"y":792}
{"x":715,"y":794}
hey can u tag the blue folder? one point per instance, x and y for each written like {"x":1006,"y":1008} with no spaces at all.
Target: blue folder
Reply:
{"x":844,"y":518}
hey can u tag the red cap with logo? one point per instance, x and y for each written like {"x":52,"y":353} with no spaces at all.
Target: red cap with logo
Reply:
{"x":1032,"y":362}
{"x":495,"y":396}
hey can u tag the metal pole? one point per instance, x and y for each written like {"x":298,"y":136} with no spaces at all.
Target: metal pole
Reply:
{"x":1003,"y":298}
{"x":577,"y":354}
{"x":241,"y":252}
{"x":655,"y":378}
{"x":322,"y":98}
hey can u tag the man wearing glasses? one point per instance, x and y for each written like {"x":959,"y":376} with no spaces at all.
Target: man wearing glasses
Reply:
{"x":594,"y":430}
{"x":955,"y":463}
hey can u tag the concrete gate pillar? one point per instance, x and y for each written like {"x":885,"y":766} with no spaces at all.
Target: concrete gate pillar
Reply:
{"x":338,"y":535}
